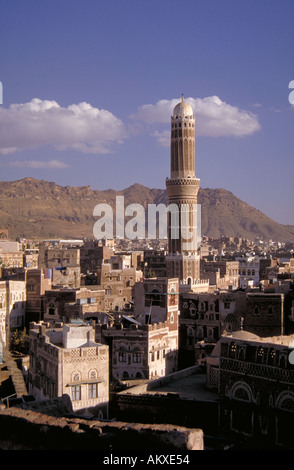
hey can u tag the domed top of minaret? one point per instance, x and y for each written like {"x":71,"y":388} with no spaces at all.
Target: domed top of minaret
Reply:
{"x":183,"y":109}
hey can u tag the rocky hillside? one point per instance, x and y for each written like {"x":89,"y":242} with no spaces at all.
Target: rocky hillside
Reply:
{"x":41,"y":209}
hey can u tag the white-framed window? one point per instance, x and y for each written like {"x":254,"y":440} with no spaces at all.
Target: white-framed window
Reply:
{"x":93,"y":390}
{"x":122,"y":357}
{"x":136,"y":357}
{"x":76,"y":392}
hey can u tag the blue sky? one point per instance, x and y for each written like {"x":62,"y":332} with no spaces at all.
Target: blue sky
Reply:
{"x":88,"y":89}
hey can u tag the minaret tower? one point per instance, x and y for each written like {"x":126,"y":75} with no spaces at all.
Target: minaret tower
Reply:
{"x":183,"y":260}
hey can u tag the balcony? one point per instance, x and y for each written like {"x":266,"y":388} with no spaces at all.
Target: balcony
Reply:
{"x":262,"y":371}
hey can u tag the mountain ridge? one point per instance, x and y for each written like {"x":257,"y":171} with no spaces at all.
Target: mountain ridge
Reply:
{"x":35,"y":208}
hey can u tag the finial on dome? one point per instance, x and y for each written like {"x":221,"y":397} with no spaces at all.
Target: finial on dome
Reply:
{"x":183,"y":108}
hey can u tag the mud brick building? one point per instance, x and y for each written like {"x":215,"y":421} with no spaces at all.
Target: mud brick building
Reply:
{"x":221,"y":274}
{"x":37,"y":282}
{"x":66,"y":360}
{"x":92,"y":254}
{"x":117,"y":276}
{"x":148,"y":347}
{"x":264,"y":314}
{"x":12,"y":308}
{"x":255,"y":382}
{"x":203,"y":318}
{"x":54,"y":257}
{"x":65,"y":304}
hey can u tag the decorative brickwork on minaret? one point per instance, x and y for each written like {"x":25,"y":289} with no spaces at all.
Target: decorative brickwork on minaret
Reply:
{"x":183,"y":260}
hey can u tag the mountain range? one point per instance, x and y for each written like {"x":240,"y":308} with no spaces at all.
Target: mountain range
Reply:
{"x":35,"y":209}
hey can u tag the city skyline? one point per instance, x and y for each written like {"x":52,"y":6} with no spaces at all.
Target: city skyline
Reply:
{"x":89,"y":88}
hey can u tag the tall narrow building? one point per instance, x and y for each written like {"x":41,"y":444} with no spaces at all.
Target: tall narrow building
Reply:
{"x":183,"y":260}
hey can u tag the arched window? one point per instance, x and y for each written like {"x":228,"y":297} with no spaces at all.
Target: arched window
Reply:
{"x":288,"y":404}
{"x":76,"y":376}
{"x":260,"y":354}
{"x":271,"y":357}
{"x":242,"y":354}
{"x":122,"y":356}
{"x":242,"y":392}
{"x":190,"y":331}
{"x":285,"y":401}
{"x":93,"y":374}
{"x":192,"y":309}
{"x":31,"y":287}
{"x":153,"y":297}
{"x":51,"y":310}
{"x":232,"y":350}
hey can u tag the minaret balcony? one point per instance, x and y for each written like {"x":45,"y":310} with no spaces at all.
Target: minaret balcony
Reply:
{"x":188,"y":180}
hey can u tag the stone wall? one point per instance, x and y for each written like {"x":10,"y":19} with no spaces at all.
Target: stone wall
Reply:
{"x":23,"y":429}
{"x":264,"y":314}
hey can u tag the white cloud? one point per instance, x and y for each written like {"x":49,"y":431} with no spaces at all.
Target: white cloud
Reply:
{"x":51,"y":164}
{"x":213,"y":117}
{"x":156,"y":113}
{"x":42,"y":122}
{"x":256,"y":105}
{"x":90,"y":130}
{"x":163,"y":137}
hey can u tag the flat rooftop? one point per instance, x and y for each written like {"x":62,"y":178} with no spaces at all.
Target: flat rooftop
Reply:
{"x":188,"y":384}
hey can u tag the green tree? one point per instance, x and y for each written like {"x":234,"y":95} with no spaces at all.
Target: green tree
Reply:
{"x":15,"y":341}
{"x":20,"y":341}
